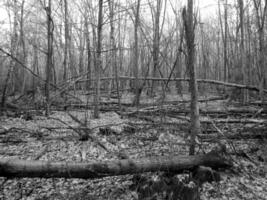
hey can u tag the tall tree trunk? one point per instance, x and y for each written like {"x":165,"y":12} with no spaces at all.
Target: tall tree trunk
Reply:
{"x":260,"y":16}
{"x":35,"y":61}
{"x":138,"y":90}
{"x":81,"y":48}
{"x":188,"y":17}
{"x":114,"y":50}
{"x":179,"y":66}
{"x":12,"y":64}
{"x":49,"y":57}
{"x":248,"y":51}
{"x":66,"y":38}
{"x":23,"y":52}
{"x":242,"y":50}
{"x":225,"y":59}
{"x":89,"y":56}
{"x":98,"y":66}
{"x":81,"y":51}
{"x":14,"y":49}
{"x":155,"y":52}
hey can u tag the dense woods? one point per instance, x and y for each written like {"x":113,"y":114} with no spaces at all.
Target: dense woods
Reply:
{"x":150,"y":35}
{"x":139,"y":91}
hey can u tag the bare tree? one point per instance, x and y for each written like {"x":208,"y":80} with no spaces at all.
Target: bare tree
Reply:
{"x":98,"y":66}
{"x":242,"y":49}
{"x":114,"y":49}
{"x":13,"y":46}
{"x":88,"y":50}
{"x":156,"y":40}
{"x":49,"y":56}
{"x":22,"y":50}
{"x":81,"y":47}
{"x":188,"y":17}
{"x":136,"y":56}
{"x":66,"y":38}
{"x":261,"y":11}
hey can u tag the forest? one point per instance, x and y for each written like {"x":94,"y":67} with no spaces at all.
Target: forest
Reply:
{"x":133,"y":99}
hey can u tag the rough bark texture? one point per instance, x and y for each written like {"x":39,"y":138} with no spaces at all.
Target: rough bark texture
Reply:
{"x":136,"y":57}
{"x":188,"y":18}
{"x":156,"y":40}
{"x":49,"y":57}
{"x":46,"y":169}
{"x":98,"y":65}
{"x":114,"y":66}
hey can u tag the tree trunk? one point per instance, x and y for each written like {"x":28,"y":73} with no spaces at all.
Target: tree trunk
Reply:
{"x":225,"y":59}
{"x":46,"y":169}
{"x":35,"y":62}
{"x":88,"y":50}
{"x":136,"y":101}
{"x":179,"y":63}
{"x":155,"y":51}
{"x":98,"y":66}
{"x":81,"y":49}
{"x":22,"y":52}
{"x":114,"y":51}
{"x":49,"y":57}
{"x":188,"y":17}
{"x":260,"y":16}
{"x":242,"y":50}
{"x":66,"y":37}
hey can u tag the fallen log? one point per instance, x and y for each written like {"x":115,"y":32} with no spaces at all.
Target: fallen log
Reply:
{"x":215,"y":82}
{"x":236,"y":136}
{"x":47,"y":169}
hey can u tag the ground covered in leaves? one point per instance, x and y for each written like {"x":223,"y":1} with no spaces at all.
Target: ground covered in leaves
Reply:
{"x":125,"y":136}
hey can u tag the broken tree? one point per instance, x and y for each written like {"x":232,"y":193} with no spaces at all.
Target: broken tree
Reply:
{"x":47,"y":169}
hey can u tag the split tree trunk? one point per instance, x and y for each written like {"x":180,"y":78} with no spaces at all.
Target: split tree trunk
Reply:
{"x":46,"y":169}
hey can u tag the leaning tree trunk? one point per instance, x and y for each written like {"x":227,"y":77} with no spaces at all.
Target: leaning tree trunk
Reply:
{"x":46,"y":169}
{"x":188,"y":17}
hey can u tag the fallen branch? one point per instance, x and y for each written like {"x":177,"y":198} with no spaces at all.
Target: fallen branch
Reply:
{"x":236,"y":136}
{"x":215,"y":82}
{"x":47,"y":169}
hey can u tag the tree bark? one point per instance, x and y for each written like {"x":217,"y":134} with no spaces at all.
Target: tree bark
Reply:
{"x":225,"y":42}
{"x":156,"y":39}
{"x":114,"y":65}
{"x":242,"y":49}
{"x":49,"y":57}
{"x":261,"y":13}
{"x":46,"y":169}
{"x":88,"y":50}
{"x":66,"y":45}
{"x":188,"y":17}
{"x":98,"y":55}
{"x":138,"y":90}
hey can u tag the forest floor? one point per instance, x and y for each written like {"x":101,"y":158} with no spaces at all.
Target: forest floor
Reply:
{"x":150,"y":130}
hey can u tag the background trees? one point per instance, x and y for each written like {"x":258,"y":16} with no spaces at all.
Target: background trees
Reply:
{"x":227,"y":43}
